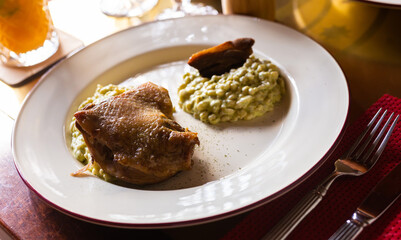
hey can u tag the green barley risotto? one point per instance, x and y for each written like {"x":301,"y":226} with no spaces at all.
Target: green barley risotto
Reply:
{"x":241,"y":94}
{"x":78,"y":145}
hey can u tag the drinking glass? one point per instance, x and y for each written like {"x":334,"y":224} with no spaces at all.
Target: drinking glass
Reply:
{"x":27,"y":34}
{"x":258,"y":8}
{"x":183,"y":8}
{"x":126,"y":8}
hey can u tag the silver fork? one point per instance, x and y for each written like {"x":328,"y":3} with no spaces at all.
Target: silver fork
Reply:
{"x":356,"y":161}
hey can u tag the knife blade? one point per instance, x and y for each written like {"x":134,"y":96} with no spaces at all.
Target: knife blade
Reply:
{"x":380,"y":198}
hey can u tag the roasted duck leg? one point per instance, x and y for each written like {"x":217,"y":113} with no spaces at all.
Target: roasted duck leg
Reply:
{"x":133,"y":138}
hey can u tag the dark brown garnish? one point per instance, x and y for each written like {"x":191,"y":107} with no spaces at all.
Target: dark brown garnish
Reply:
{"x":221,"y":58}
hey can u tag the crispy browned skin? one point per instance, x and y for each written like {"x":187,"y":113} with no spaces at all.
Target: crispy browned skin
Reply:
{"x":221,"y":58}
{"x":133,"y":138}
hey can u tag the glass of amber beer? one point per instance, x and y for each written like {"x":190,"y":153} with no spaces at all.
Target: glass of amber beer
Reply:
{"x":27,"y":34}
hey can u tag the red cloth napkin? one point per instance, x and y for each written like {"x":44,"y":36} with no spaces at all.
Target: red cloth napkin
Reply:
{"x":343,"y":197}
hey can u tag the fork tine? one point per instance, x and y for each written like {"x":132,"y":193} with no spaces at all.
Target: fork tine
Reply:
{"x":383,"y":144}
{"x":363,"y":134}
{"x":361,"y":150}
{"x":378,"y":137}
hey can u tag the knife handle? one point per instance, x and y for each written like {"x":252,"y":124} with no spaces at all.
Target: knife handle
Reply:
{"x":288,"y":223}
{"x":352,"y":227}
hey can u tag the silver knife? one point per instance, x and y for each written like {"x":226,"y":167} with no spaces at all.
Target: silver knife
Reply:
{"x":383,"y":195}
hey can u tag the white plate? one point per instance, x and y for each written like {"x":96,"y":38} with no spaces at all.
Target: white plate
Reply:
{"x":237,"y":167}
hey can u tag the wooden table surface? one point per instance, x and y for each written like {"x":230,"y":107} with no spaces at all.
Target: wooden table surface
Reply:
{"x":364,"y":39}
